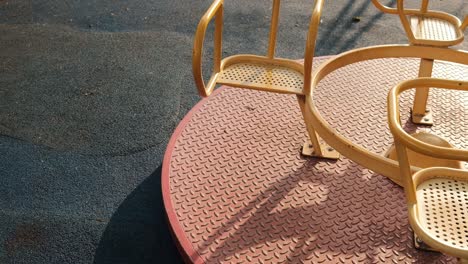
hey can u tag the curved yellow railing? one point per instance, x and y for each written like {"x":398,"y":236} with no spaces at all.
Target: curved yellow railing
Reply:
{"x":310,"y":45}
{"x":394,"y":11}
{"x":408,"y":140}
{"x":426,"y":28}
{"x":346,"y":147}
{"x":403,"y":13}
{"x":268,"y":67}
{"x":216,"y":9}
{"x":464,"y":24}
{"x":428,"y":232}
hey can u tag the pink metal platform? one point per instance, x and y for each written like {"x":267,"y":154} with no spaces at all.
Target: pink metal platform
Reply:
{"x":237,"y":190}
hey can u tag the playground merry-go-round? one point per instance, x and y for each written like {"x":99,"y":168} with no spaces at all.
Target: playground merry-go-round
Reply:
{"x":354,"y":158}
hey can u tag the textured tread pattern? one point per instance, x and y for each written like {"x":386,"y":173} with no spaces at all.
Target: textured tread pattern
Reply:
{"x":242,"y":192}
{"x":261,"y":75}
{"x":433,"y":29}
{"x":360,"y":111}
{"x":442,"y":206}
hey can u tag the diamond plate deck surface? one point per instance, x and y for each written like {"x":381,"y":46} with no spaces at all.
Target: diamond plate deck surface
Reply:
{"x":240,"y":192}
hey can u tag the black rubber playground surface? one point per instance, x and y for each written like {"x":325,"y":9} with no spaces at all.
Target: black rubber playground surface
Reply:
{"x":90,"y":92}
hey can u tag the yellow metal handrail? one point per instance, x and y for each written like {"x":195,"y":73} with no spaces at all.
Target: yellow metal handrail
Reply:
{"x":403,"y":139}
{"x":269,"y":72}
{"x":408,"y":140}
{"x":373,"y":161}
{"x":310,"y":44}
{"x":216,"y":9}
{"x":430,"y":181}
{"x":464,"y":24}
{"x":419,"y":31}
{"x":395,"y":11}
{"x":403,"y":13}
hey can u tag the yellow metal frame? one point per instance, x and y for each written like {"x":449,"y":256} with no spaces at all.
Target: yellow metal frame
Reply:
{"x":351,"y":150}
{"x":421,"y":114}
{"x":401,"y":171}
{"x":423,"y":12}
{"x":315,"y":124}
{"x":404,"y":142}
{"x":271,"y":65}
{"x":423,"y":161}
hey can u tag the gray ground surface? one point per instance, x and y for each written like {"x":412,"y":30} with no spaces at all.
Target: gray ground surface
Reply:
{"x":90,"y":92}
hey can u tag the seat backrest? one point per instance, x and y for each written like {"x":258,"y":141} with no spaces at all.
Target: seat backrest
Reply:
{"x":216,"y":11}
{"x":310,"y":41}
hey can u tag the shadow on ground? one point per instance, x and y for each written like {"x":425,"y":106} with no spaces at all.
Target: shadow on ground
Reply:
{"x":138,"y":231}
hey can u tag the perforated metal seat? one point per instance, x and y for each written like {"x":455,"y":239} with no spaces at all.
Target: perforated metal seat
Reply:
{"x":265,"y":73}
{"x":427,"y":28}
{"x":443,"y":210}
{"x":263,"y":77}
{"x":434,"y":29}
{"x":437,"y":197}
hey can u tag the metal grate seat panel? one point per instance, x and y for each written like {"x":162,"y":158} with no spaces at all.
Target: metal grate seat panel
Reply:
{"x":430,"y":28}
{"x":442,"y":206}
{"x":263,"y":77}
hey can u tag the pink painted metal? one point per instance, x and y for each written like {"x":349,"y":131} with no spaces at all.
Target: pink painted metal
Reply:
{"x":237,"y":190}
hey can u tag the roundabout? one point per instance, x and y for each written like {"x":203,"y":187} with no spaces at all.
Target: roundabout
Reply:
{"x":237,"y":189}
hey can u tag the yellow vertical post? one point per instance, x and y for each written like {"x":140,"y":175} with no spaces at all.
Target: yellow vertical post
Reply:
{"x":218,"y":36}
{"x":405,"y":172}
{"x":273,"y":28}
{"x":310,"y":130}
{"x":422,"y":94}
{"x":404,"y":21}
{"x":464,"y":24}
{"x":424,"y":6}
{"x":310,"y":45}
